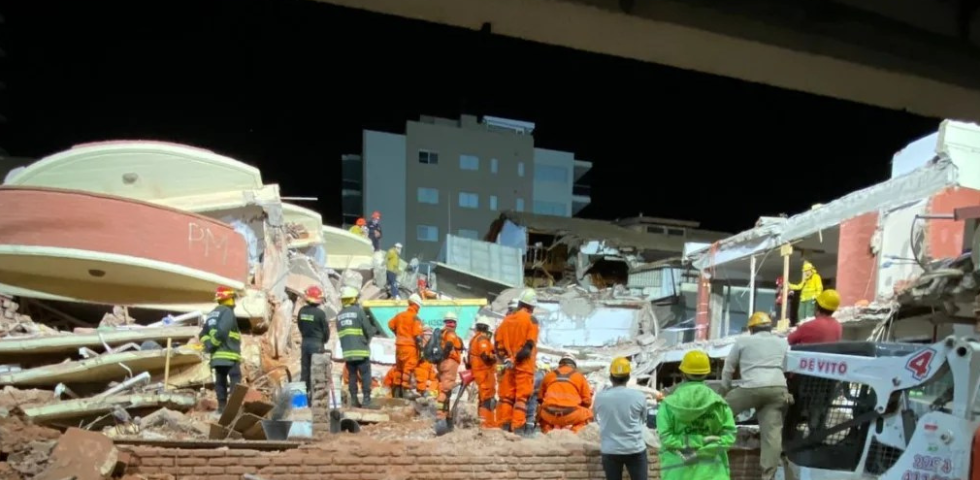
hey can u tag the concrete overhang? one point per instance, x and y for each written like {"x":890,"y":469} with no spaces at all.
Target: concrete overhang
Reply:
{"x":817,"y":47}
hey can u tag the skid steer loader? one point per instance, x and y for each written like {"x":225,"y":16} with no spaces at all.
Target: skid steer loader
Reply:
{"x":885,"y":411}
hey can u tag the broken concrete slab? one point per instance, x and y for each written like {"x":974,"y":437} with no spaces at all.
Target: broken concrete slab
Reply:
{"x":69,"y":412}
{"x":104,"y":368}
{"x":82,"y":455}
{"x":70,"y":343}
{"x":366,"y":416}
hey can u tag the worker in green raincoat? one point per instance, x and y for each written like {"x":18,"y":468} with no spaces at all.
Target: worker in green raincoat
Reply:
{"x":696,"y":426}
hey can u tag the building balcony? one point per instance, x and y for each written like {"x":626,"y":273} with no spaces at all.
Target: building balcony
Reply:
{"x":581,"y":168}
{"x":581,"y":198}
{"x":581,"y":190}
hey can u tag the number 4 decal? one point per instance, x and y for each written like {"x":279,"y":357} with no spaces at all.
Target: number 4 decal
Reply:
{"x":920,"y":364}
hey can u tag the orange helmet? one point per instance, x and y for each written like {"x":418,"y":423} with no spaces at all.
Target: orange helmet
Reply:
{"x":314,"y":294}
{"x":361,"y":222}
{"x":376,"y":215}
{"x":224,"y":293}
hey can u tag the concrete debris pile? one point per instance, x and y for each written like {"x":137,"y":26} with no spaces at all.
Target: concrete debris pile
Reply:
{"x":12,"y":322}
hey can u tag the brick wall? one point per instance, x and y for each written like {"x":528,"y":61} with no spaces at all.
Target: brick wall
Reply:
{"x":353,"y":460}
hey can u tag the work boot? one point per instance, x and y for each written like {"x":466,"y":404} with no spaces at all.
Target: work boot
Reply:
{"x":366,"y":403}
{"x":396,"y":392}
{"x":505,"y":426}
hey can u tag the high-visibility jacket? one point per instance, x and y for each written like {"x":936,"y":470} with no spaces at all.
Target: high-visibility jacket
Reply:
{"x":355,"y":331}
{"x":810,"y":288}
{"x":452,"y":344}
{"x":392,"y":261}
{"x":407,"y":328}
{"x":513,"y":333}
{"x":221,"y":337}
{"x":565,"y":387}
{"x":481,"y":355}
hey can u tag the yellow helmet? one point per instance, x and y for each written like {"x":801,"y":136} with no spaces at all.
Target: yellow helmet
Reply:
{"x":759,"y":319}
{"x":620,"y":367}
{"x":696,"y":362}
{"x":829,"y":300}
{"x":808,"y":267}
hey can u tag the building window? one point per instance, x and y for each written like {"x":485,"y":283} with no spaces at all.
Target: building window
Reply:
{"x":520,"y":205}
{"x":475,"y":235}
{"x":428,"y":195}
{"x":520,"y":169}
{"x":429,"y":158}
{"x":659,"y":230}
{"x":469,"y":162}
{"x":493,"y":165}
{"x":469,"y":200}
{"x":549,"y":208}
{"x":550,"y":173}
{"x":677,"y":232}
{"x":427,"y":233}
{"x":493,"y":202}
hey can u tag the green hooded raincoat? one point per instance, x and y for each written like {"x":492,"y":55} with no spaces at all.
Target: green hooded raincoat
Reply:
{"x":685,"y":418}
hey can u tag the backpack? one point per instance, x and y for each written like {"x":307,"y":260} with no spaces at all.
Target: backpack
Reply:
{"x":433,"y":352}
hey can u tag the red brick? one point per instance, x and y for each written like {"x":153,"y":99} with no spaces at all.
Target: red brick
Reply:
{"x":331,"y":469}
{"x":156,"y":462}
{"x":209,"y":470}
{"x":191,"y":462}
{"x":257,"y":461}
{"x":302,"y":469}
{"x":317,"y":460}
{"x":209,"y":453}
{"x":238,"y":470}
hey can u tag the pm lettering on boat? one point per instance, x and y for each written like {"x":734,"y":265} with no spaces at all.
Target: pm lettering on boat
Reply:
{"x":201,"y":237}
{"x":823,"y":366}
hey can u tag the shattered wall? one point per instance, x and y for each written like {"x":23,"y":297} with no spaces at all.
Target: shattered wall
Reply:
{"x":578,"y":321}
{"x":944,"y":238}
{"x":856,"y":260}
{"x":896,"y":266}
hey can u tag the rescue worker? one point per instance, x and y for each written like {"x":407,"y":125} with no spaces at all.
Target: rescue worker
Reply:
{"x":621,"y":414}
{"x":407,"y":328}
{"x":565,"y":398}
{"x":360,"y":228}
{"x":223,"y":341}
{"x":426,"y":376}
{"x":393,"y":264}
{"x":777,"y":308}
{"x":515,"y":342}
{"x":482,"y":362}
{"x":448,"y":368}
{"x":374,"y":231}
{"x":313,"y":327}
{"x":824,"y":328}
{"x":809,"y":287}
{"x":389,"y":381}
{"x":760,"y":357}
{"x":696,"y":426}
{"x":355,"y":330}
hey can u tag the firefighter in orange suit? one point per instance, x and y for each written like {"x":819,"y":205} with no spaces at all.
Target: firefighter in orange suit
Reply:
{"x":482,"y":362}
{"x":426,"y":376}
{"x":515,"y":342}
{"x":407,"y":328}
{"x":565,"y":398}
{"x":449,"y":366}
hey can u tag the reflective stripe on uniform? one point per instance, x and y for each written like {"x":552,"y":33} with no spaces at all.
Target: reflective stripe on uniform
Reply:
{"x":350,"y":331}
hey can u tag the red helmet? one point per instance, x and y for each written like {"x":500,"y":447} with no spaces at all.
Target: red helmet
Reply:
{"x":361,"y":222}
{"x":376,"y":215}
{"x":314,"y":294}
{"x":224,"y":293}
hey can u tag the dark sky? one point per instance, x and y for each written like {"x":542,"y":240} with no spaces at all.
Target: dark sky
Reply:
{"x":287,"y":85}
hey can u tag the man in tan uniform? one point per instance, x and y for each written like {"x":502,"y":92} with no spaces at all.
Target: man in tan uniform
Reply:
{"x":761,"y":360}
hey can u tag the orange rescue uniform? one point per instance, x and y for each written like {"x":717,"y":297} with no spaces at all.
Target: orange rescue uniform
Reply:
{"x":565,"y":399}
{"x":482,"y":362}
{"x":448,"y":368}
{"x":516,"y":383}
{"x":407,"y":328}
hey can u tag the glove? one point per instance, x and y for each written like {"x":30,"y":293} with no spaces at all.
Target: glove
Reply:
{"x":711,"y":439}
{"x":488,"y":359}
{"x":525,"y":352}
{"x":709,"y":451}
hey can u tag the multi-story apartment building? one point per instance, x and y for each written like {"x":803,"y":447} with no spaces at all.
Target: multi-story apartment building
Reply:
{"x":455,"y":176}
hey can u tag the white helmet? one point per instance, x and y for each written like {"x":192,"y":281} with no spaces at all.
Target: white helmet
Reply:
{"x":416,"y":299}
{"x":528,"y":297}
{"x":348,"y":292}
{"x":398,"y":246}
{"x":512,"y":304}
{"x":483,"y":320}
{"x":451,"y":315}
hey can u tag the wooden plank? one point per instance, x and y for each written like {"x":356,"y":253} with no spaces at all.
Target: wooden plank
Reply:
{"x":244,"y":422}
{"x":255,"y":432}
{"x":219,"y":432}
{"x":234,"y":405}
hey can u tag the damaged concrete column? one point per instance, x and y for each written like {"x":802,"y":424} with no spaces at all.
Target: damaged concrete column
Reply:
{"x":717,"y":310}
{"x":702,"y":318}
{"x":751,"y":284}
{"x":856,"y":260}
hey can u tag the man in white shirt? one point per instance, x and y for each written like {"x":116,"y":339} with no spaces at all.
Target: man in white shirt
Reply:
{"x":621,"y":414}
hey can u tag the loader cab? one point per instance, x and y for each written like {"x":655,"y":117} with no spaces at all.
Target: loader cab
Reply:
{"x":825,"y":428}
